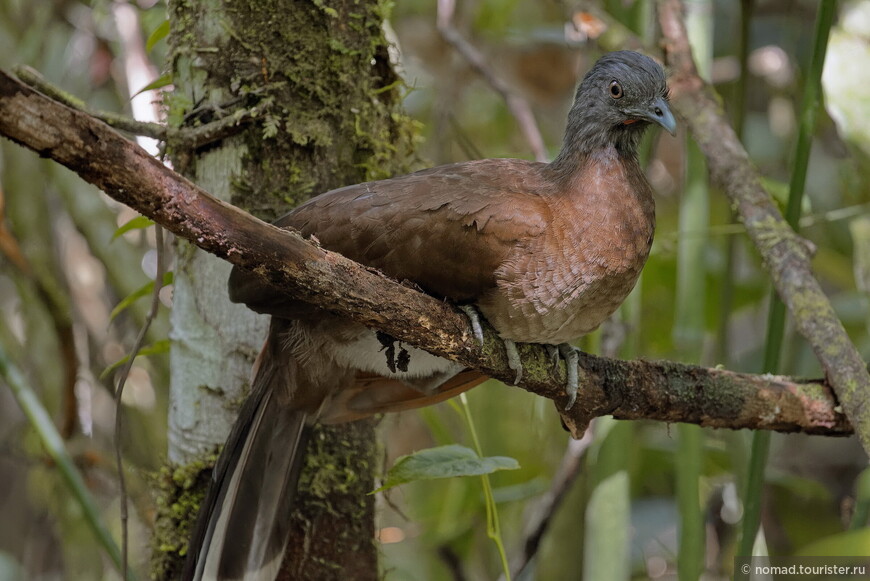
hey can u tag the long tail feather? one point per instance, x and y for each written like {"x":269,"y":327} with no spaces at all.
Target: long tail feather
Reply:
{"x":243,"y":523}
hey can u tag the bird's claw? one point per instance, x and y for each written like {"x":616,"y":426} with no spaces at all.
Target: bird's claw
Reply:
{"x":513,"y":356}
{"x":474,"y":319}
{"x":571,"y":355}
{"x":514,"y":361}
{"x":510,"y":347}
{"x":553,"y":353}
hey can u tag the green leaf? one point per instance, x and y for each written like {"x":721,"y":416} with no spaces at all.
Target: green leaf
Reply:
{"x":444,"y":462}
{"x":155,"y":348}
{"x":159,"y":34}
{"x":158,"y":83}
{"x":144,"y":291}
{"x":136,"y":223}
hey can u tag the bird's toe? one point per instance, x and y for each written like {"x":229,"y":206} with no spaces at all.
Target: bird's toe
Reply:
{"x":514,"y":361}
{"x":571,"y":355}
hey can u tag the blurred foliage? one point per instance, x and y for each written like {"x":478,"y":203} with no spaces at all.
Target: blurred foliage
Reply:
{"x":437,"y":529}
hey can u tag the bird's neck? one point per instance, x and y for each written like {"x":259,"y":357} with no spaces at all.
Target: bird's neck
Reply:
{"x":584,"y":138}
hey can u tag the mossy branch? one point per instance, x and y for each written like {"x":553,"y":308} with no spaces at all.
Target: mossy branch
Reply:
{"x":661,"y":390}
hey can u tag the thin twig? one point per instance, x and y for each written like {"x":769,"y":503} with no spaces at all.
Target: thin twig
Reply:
{"x":191,"y":138}
{"x":187,"y":138}
{"x":40,"y":83}
{"x":544,"y":510}
{"x":517,"y":105}
{"x":122,"y":380}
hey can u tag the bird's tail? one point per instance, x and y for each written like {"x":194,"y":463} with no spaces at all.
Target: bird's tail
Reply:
{"x":243,"y":522}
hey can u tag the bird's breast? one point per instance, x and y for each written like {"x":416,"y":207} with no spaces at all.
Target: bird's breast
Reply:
{"x":566,"y":282}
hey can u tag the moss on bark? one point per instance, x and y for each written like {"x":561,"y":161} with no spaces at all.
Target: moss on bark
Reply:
{"x":318,"y":77}
{"x":327,"y":104}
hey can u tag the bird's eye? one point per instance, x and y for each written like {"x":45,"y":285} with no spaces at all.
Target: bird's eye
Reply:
{"x":615,"y":90}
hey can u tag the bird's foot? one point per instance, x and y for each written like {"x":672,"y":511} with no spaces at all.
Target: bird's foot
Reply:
{"x":513,"y":356}
{"x":553,"y":353}
{"x":514,"y":361}
{"x":571,"y":355}
{"x":474,"y":319}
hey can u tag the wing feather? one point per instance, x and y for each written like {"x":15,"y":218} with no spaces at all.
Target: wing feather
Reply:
{"x":448,"y":229}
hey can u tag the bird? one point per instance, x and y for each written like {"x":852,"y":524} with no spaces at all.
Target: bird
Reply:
{"x":544,"y":251}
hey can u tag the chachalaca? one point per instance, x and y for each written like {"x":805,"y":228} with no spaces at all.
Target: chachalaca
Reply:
{"x":545,"y":251}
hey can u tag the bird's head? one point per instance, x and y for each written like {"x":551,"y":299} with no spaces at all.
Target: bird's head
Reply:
{"x":619,"y":97}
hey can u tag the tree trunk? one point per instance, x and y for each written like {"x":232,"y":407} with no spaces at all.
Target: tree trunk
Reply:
{"x":326,"y":107}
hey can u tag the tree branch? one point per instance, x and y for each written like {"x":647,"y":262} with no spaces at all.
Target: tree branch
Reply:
{"x":186,"y":139}
{"x":663,"y":390}
{"x":517,"y":105}
{"x":786,"y":255}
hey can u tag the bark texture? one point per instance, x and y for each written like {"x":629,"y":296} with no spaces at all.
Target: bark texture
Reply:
{"x":318,"y":100}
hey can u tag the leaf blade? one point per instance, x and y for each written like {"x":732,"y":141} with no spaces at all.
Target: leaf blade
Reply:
{"x":142,"y":291}
{"x":136,"y":223}
{"x":159,"y":34}
{"x":444,"y":462}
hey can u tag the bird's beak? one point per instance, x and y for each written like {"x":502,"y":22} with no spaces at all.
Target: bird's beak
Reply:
{"x":659,"y":112}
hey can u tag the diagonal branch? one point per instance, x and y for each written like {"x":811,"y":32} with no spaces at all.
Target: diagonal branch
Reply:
{"x":661,"y":390}
{"x":786,"y":255}
{"x":518,"y":106}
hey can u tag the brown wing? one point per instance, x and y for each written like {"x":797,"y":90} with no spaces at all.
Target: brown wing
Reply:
{"x":447,"y":229}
